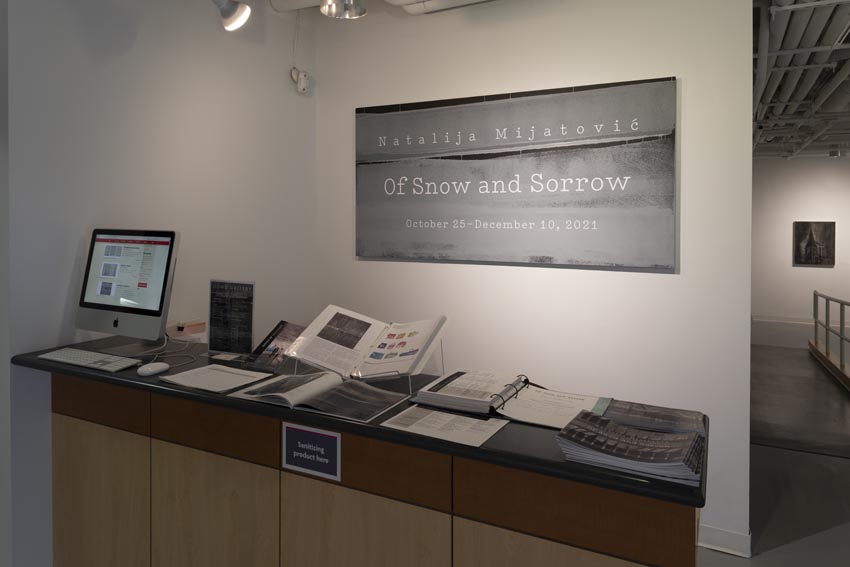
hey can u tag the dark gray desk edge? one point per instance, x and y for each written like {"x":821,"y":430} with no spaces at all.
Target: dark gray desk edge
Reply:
{"x":661,"y":490}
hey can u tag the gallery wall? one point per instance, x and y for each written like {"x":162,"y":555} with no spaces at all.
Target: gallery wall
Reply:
{"x":785,"y":191}
{"x":679,"y":340}
{"x":147,"y":115}
{"x":5,"y":418}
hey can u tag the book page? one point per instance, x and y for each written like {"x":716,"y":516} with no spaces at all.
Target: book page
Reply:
{"x":353,"y":400}
{"x":214,"y":378}
{"x":402,"y":348}
{"x":290,"y":391}
{"x":478,"y":385}
{"x":550,"y":408}
{"x":338,"y":339}
{"x":447,"y":426}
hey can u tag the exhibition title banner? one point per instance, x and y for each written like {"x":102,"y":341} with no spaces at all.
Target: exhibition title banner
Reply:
{"x":574,"y":177}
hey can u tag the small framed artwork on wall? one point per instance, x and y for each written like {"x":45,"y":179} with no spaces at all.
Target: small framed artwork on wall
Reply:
{"x":814,"y":244}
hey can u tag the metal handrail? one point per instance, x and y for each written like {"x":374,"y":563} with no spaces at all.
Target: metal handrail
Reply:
{"x":843,"y":338}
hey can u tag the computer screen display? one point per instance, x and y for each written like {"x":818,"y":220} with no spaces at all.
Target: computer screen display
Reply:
{"x":127,"y":271}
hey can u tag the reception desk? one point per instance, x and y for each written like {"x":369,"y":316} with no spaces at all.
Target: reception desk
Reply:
{"x":150,"y":474}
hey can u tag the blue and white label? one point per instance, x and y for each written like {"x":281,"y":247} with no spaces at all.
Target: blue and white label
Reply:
{"x":312,"y":451}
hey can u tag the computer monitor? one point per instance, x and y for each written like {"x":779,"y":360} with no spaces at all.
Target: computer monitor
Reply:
{"x":127,"y":282}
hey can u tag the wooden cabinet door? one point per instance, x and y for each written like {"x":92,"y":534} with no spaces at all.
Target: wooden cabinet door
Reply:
{"x":101,"y":495}
{"x":328,"y":525}
{"x":477,"y":544}
{"x":212,"y":511}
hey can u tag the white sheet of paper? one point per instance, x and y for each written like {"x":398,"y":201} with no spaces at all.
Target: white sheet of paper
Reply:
{"x":446,"y":426}
{"x":215,"y":378}
{"x":548,"y":408}
{"x":226,"y":356}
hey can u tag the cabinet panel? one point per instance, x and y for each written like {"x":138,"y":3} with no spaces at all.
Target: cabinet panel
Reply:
{"x":397,"y":471}
{"x":116,"y":406}
{"x":477,"y":544}
{"x":638,"y":528}
{"x":229,"y":432}
{"x":212,"y":511}
{"x":101,"y":495}
{"x":327,"y":525}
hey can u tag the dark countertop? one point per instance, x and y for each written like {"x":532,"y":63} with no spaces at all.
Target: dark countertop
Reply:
{"x":516,"y":445}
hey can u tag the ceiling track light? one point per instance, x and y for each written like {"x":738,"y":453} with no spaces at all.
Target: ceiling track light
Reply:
{"x":343,"y":9}
{"x":233,"y":14}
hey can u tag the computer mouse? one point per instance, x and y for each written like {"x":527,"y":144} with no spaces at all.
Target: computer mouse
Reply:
{"x":153,"y":369}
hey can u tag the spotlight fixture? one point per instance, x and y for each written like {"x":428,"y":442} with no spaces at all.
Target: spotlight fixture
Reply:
{"x":343,"y":9}
{"x":233,"y":14}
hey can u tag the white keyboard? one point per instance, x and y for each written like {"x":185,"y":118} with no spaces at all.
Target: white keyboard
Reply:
{"x":89,"y":359}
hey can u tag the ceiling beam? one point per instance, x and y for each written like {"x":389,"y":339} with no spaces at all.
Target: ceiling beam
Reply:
{"x":808,"y":5}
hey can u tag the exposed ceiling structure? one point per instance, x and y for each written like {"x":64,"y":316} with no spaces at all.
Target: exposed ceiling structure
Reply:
{"x":801,"y":91}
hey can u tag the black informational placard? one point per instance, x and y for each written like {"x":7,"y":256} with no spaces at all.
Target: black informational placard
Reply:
{"x":231,"y":316}
{"x":312,"y":451}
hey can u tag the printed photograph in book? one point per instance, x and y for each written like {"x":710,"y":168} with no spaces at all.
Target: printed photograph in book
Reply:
{"x":579,"y":177}
{"x":344,"y":330}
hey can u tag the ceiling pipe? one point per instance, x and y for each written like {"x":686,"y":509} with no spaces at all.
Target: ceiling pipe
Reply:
{"x":793,"y":35}
{"x":839,"y":100}
{"x":764,"y":47}
{"x":835,"y":32}
{"x":818,"y":22}
{"x":811,"y":139}
{"x":830,"y":88}
{"x":811,"y":66}
{"x":817,"y":3}
{"x":778,"y":27}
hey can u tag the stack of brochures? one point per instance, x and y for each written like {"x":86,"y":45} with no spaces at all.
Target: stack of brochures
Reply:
{"x":600,"y":441}
{"x":655,"y":418}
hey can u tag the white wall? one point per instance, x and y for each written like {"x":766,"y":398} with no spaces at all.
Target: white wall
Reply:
{"x":679,"y":340}
{"x":784,"y":191}
{"x":5,"y":418}
{"x":147,"y":114}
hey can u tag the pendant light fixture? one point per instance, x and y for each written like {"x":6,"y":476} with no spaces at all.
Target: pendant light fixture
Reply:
{"x":233,"y":14}
{"x":343,"y":9}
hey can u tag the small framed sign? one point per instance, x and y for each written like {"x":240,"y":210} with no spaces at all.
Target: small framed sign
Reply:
{"x":231,"y":328}
{"x":315,"y":452}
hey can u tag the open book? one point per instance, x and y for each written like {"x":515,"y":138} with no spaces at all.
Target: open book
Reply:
{"x":511,"y":396}
{"x":326,"y":393}
{"x":351,"y":344}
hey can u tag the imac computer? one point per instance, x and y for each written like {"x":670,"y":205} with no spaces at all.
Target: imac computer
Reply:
{"x":127,"y":282}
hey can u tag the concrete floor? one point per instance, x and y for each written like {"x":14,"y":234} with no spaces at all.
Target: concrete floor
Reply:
{"x":799,"y":501}
{"x":796,"y":404}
